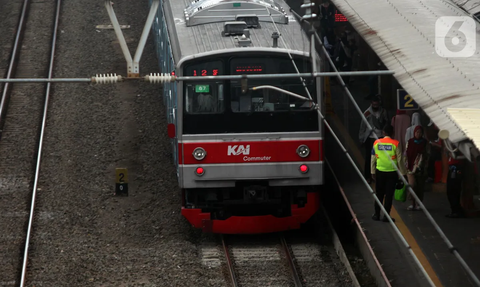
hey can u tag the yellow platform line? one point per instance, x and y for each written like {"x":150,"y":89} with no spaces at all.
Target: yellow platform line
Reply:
{"x":415,"y":247}
{"x":357,"y":155}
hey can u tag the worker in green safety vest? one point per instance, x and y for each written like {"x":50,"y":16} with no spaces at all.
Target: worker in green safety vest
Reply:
{"x":386,"y":154}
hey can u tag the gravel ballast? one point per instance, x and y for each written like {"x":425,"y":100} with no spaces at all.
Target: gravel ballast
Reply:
{"x":83,"y":234}
{"x":90,"y":237}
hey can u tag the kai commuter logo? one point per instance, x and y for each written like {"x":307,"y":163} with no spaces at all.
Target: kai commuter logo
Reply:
{"x":238,"y":150}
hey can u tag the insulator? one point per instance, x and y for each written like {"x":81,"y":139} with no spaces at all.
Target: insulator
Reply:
{"x":107,"y":78}
{"x":161,"y":78}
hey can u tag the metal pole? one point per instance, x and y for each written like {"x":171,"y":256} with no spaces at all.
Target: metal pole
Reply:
{"x":170,"y":78}
{"x":397,"y":231}
{"x":143,"y":39}
{"x":118,"y":31}
{"x":435,"y":225}
{"x":72,"y":80}
{"x":281,"y":76}
{"x":419,"y":202}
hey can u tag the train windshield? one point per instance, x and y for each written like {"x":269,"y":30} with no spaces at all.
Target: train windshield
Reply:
{"x":219,"y":106}
{"x":268,"y":99}
{"x":204,"y":98}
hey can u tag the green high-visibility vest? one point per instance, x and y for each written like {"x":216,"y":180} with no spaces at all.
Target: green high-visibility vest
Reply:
{"x":386,"y":149}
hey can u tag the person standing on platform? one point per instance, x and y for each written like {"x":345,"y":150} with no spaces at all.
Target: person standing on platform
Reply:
{"x":377,"y":118}
{"x":327,"y":16}
{"x":330,"y":41}
{"x":417,"y":151}
{"x":386,"y":156}
{"x":435,"y":152}
{"x":400,"y":123}
{"x":415,"y":122}
{"x":456,"y":164}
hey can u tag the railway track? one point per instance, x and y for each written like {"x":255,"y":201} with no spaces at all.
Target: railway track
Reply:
{"x":23,"y":116}
{"x":265,"y":256}
{"x":280,"y":260}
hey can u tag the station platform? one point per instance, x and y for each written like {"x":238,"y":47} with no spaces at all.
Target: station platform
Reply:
{"x":397,"y":263}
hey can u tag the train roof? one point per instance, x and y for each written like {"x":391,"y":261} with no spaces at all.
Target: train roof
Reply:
{"x":198,"y":26}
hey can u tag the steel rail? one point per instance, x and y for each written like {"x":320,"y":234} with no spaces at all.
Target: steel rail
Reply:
{"x":291,"y":263}
{"x":39,"y":155}
{"x":231,"y":271}
{"x":12,"y":66}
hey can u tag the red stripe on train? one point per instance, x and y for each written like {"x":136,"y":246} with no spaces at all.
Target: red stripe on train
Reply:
{"x":253,"y":151}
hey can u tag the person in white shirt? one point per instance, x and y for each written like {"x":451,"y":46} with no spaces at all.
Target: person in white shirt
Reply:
{"x":377,"y":118}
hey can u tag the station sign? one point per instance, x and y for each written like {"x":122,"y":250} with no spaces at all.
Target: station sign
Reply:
{"x":405,"y":102}
{"x":121,"y":184}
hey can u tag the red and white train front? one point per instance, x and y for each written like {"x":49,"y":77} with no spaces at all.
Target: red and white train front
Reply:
{"x":248,"y":162}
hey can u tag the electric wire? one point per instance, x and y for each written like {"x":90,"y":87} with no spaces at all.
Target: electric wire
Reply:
{"x":397,"y":231}
{"x":450,"y":246}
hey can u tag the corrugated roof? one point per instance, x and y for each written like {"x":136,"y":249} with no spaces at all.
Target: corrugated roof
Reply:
{"x":208,"y":37}
{"x":471,"y":6}
{"x":469,"y":122}
{"x":402,"y":33}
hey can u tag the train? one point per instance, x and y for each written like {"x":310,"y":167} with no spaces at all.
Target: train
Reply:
{"x":247,"y":160}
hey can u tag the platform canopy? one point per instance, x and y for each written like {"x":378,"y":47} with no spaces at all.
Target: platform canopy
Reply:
{"x":412,"y":38}
{"x":469,"y":121}
{"x":470,"y":6}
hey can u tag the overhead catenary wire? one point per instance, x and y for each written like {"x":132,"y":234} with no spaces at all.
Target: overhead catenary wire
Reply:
{"x":450,"y":246}
{"x":160,"y":78}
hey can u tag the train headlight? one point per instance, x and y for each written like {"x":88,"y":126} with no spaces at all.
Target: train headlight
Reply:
{"x":303,"y":151}
{"x":199,"y":153}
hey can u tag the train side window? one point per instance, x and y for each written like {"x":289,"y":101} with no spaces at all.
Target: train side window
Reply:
{"x":204,"y":98}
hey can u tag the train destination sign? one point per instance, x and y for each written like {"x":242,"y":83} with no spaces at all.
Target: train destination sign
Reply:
{"x":202,"y":88}
{"x":249,"y":69}
{"x":339,"y":17}
{"x":205,"y":72}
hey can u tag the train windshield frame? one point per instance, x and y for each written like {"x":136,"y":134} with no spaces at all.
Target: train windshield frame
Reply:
{"x":220,"y":106}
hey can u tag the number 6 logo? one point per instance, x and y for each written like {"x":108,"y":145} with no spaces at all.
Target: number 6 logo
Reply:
{"x":455,"y":36}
